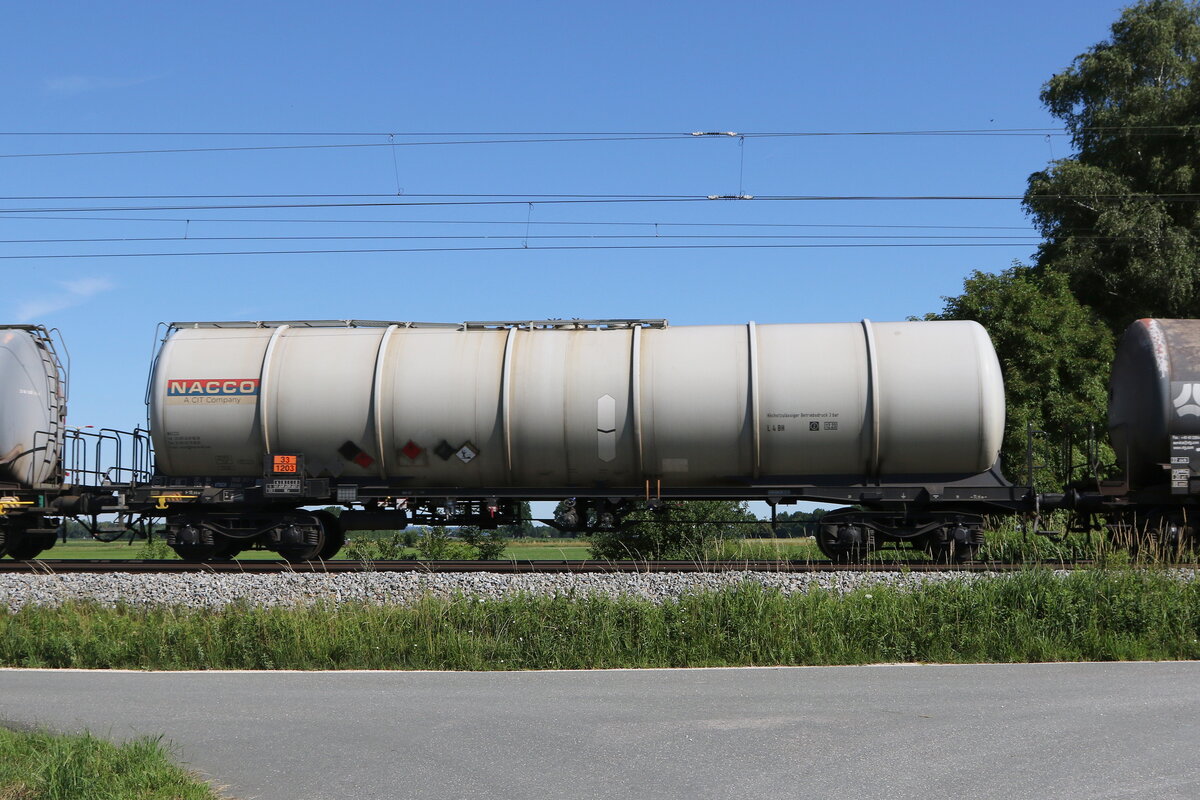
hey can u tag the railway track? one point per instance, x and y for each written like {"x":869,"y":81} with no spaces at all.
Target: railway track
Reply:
{"x":507,"y":567}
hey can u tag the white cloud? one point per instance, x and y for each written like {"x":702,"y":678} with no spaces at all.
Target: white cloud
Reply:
{"x":86,"y":287}
{"x":76,"y":84}
{"x":74,"y":293}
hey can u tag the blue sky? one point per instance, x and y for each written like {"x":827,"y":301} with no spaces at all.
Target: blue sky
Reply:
{"x":482,"y":68}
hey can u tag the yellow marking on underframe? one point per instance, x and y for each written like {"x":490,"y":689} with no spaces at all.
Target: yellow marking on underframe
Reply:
{"x":9,"y":503}
{"x":161,"y":499}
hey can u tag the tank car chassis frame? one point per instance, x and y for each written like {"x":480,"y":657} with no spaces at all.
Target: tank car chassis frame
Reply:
{"x":210,"y":517}
{"x":218,"y":517}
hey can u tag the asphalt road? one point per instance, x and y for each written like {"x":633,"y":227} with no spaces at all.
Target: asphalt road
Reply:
{"x":1005,"y":731}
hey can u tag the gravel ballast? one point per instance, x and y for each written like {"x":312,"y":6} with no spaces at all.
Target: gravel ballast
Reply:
{"x":208,"y":590}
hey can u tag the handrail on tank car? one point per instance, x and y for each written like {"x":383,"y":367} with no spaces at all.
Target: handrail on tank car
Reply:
{"x":85,"y":456}
{"x":140,"y":457}
{"x":62,"y":366}
{"x":311,"y":323}
{"x":568,"y":324}
{"x":526,"y":324}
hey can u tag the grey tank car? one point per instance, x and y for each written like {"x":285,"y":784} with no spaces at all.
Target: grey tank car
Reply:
{"x":578,"y":406}
{"x":1154,"y":427}
{"x":1154,"y":406}
{"x":33,"y":406}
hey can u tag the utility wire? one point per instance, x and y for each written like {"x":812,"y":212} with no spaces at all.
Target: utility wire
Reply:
{"x":248,"y":148}
{"x":458,"y":237}
{"x":515,"y":249}
{"x":541,"y":138}
{"x":1033,"y":131}
{"x":309,"y":221}
{"x":316,"y":194}
{"x":604,"y":199}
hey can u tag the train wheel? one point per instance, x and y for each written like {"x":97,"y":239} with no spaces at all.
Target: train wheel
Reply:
{"x":961,"y":545}
{"x":1172,"y":537}
{"x":24,"y":551}
{"x":24,"y":545}
{"x":1160,"y":534}
{"x":228,"y":549}
{"x":845,"y":544}
{"x":223,"y":550}
{"x":193,"y":543}
{"x":29,"y":547}
{"x":194,"y":552}
{"x":335,"y":537}
{"x":313,"y":545}
{"x":953,"y":552}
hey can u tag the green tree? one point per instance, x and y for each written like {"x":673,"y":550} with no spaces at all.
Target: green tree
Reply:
{"x":524,"y":525}
{"x":488,"y":545}
{"x":1055,"y":355}
{"x":435,"y":544}
{"x":675,"y":530}
{"x":1120,"y":218}
{"x":793,"y":524}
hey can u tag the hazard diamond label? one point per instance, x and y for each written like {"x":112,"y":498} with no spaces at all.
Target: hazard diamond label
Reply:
{"x":467,"y":453}
{"x":412,"y":449}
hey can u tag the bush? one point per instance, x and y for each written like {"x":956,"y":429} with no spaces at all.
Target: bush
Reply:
{"x":155,"y":549}
{"x":392,"y":548}
{"x":674,"y":530}
{"x":435,"y":544}
{"x":489,"y":545}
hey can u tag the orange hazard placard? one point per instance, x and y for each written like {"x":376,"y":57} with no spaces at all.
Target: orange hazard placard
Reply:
{"x":283,"y":464}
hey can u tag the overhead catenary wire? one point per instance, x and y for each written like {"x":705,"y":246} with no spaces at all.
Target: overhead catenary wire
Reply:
{"x":297,"y":195}
{"x":1021,"y":131}
{"x":249,"y":148}
{"x":192,"y":209}
{"x":537,"y":138}
{"x":495,"y":200}
{"x":524,"y":237}
{"x":580,"y":223}
{"x":518,"y":248}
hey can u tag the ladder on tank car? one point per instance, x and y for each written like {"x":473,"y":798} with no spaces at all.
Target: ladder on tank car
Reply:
{"x":57,"y":382}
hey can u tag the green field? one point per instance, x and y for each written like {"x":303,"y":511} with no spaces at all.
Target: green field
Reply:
{"x":1006,"y":542}
{"x":518,"y":549}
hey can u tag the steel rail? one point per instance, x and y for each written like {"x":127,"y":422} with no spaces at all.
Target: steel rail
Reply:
{"x":513,"y":567}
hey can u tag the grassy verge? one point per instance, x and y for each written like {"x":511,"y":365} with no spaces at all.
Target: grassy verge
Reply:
{"x":1028,"y":616}
{"x":42,"y":766}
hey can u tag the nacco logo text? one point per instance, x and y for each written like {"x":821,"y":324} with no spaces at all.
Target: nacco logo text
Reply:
{"x":212,"y":387}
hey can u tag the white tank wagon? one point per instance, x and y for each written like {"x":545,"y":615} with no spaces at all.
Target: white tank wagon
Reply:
{"x":32,"y":427}
{"x":32,"y":408}
{"x":483,"y":406}
{"x":472,"y":417}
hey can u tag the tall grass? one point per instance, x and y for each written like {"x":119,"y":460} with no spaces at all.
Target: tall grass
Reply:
{"x":1035,"y":615}
{"x":1007,"y":541}
{"x":42,"y":766}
